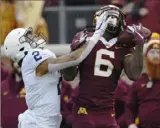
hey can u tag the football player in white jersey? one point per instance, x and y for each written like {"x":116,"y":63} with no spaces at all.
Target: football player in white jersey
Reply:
{"x":40,"y":72}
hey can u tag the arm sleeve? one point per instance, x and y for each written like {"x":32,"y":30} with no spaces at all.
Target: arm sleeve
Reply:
{"x":90,"y":45}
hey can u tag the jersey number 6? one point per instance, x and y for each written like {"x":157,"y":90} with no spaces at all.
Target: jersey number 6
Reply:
{"x":100,"y":61}
{"x":36,"y":55}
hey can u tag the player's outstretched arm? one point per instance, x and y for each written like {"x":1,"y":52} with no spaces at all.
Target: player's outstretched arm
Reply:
{"x":79,"y":39}
{"x":77,"y":56}
{"x":72,"y":59}
{"x":133,"y":63}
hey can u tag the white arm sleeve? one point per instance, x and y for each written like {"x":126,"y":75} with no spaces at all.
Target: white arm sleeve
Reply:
{"x":91,"y":43}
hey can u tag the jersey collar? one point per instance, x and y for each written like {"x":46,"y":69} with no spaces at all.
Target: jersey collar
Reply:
{"x":109,"y":43}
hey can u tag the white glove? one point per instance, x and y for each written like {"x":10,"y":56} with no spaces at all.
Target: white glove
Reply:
{"x":100,"y":28}
{"x":132,"y":126}
{"x":83,"y":37}
{"x":101,"y":24}
{"x":134,"y":28}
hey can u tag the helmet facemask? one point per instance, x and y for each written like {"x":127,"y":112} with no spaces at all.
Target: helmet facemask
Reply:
{"x":115,"y":18}
{"x":113,"y":24}
{"x":35,"y":40}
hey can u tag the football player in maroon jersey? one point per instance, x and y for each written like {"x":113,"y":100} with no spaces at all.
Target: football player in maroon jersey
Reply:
{"x":100,"y":71}
{"x":144,"y":96}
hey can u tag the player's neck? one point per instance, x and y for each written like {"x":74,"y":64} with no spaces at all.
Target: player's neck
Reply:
{"x":109,"y":36}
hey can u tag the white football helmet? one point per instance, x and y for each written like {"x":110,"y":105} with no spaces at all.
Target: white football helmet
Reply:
{"x":19,"y":41}
{"x":15,"y":45}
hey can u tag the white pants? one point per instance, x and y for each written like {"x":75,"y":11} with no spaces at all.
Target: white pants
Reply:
{"x":28,"y":120}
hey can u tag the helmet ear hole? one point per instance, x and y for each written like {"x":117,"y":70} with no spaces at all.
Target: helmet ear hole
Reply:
{"x":21,"y":49}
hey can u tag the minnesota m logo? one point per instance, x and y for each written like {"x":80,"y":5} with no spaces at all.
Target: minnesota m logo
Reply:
{"x":82,"y":110}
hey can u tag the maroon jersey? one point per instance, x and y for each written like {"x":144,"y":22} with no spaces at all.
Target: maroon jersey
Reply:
{"x":67,"y":95}
{"x":66,"y":110}
{"x":121,"y":98}
{"x":12,"y":101}
{"x":4,"y":73}
{"x":99,"y":74}
{"x":144,"y":103}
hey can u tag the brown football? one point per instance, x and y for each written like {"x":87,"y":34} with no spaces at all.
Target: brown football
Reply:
{"x":126,"y":39}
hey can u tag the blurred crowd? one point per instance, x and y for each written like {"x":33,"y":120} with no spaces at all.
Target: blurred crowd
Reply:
{"x":21,"y":14}
{"x":29,"y":13}
{"x":136,"y":11}
{"x":24,"y":14}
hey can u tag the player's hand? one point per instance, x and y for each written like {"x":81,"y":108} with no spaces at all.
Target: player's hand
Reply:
{"x":147,"y":33}
{"x":101,"y":23}
{"x":141,"y":33}
{"x":132,"y":126}
{"x":134,"y":28}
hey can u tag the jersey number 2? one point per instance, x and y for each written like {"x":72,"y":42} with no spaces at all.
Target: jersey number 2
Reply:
{"x":36,"y":55}
{"x":100,"y":61}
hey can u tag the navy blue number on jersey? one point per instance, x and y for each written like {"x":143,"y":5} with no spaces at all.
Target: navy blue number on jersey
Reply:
{"x":36,"y":55}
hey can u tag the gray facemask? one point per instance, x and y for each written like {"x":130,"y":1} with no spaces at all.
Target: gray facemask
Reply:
{"x":112,"y":24}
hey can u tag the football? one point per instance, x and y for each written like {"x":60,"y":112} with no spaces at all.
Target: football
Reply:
{"x":126,"y":39}
{"x":134,"y":35}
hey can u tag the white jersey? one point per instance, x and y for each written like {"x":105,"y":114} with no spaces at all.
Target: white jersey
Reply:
{"x":42,"y":93}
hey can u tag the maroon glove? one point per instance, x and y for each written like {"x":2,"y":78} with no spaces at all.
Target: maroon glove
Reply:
{"x":79,"y":39}
{"x":141,"y":33}
{"x":134,"y":35}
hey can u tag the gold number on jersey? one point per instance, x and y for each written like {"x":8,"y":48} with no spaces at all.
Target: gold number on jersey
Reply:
{"x":100,"y":61}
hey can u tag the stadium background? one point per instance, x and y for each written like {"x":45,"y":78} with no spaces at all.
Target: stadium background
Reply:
{"x":58,"y":20}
